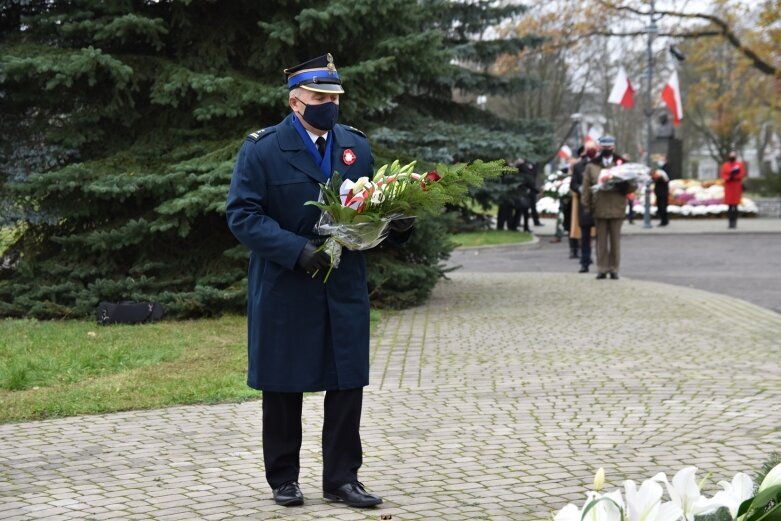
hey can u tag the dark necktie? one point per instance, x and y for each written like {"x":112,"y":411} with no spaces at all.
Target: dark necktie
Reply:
{"x":320,"y":142}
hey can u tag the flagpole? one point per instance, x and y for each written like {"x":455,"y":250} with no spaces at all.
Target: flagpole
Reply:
{"x":649,"y":112}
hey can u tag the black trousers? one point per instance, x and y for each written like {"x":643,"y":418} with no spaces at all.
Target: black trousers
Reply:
{"x":504,"y":216}
{"x":342,"y":452}
{"x":585,"y":246}
{"x":732,"y":215}
{"x":662,"y":211}
{"x":535,"y":214}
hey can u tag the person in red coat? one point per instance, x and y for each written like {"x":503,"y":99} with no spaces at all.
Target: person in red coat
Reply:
{"x":732,"y":173}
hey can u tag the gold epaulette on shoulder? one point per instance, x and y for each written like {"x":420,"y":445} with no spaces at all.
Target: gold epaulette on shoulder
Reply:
{"x":353,"y":129}
{"x":258,"y":134}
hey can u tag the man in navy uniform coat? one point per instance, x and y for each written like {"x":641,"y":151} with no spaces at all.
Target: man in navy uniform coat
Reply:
{"x":304,"y":335}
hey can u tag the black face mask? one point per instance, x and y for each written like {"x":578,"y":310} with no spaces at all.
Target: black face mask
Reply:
{"x":323,"y":116}
{"x":732,"y":158}
{"x":607,"y":153}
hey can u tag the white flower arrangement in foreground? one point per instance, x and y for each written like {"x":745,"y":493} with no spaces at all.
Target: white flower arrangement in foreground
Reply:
{"x":684,"y":499}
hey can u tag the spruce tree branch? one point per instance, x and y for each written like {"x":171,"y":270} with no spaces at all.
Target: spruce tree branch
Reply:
{"x":724,"y":30}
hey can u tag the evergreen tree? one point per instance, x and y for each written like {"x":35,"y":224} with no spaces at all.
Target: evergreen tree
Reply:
{"x":431,"y":125}
{"x":122,"y":120}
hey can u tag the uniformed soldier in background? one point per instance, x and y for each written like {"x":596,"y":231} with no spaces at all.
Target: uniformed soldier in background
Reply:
{"x":304,"y":334}
{"x":608,"y":207}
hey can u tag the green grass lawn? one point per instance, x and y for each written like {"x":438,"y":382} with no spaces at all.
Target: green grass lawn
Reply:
{"x":491,"y":238}
{"x":63,"y":368}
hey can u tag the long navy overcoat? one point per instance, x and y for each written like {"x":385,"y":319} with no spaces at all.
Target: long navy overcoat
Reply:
{"x":304,"y":335}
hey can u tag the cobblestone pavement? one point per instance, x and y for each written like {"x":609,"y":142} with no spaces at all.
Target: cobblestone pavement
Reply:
{"x":496,"y":400}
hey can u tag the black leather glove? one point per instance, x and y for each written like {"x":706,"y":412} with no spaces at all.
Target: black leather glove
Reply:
{"x":402,"y":225}
{"x":311,"y":260}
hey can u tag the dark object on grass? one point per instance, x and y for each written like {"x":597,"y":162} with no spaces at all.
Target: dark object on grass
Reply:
{"x":127,"y":312}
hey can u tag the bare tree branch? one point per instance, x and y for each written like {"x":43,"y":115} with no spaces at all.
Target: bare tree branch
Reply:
{"x":712,"y":140}
{"x":724,"y":29}
{"x":700,"y":34}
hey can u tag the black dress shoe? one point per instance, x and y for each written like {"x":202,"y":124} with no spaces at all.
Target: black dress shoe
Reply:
{"x":614,"y":275}
{"x":353,"y":495}
{"x":583,"y":269}
{"x":601,"y":275}
{"x":288,"y":495}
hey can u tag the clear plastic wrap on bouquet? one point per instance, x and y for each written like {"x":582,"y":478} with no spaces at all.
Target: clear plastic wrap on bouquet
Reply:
{"x":355,"y":236}
{"x":626,"y":177}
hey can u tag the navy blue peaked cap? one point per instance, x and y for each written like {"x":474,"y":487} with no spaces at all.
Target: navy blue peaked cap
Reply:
{"x":318,"y":75}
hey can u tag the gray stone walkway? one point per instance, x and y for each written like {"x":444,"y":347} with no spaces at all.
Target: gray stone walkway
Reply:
{"x":496,"y":400}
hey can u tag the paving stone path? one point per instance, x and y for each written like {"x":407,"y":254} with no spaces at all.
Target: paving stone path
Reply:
{"x":496,"y":400}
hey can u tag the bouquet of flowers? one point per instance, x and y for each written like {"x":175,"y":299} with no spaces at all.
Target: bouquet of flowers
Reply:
{"x":357,"y":215}
{"x":624,"y":178}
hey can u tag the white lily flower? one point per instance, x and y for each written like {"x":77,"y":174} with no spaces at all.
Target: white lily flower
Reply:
{"x":599,"y":479}
{"x":408,"y":168}
{"x":608,"y":509}
{"x":378,"y":197}
{"x":735,"y":493}
{"x":345,"y":189}
{"x":380,"y":173}
{"x":568,"y":513}
{"x":685,"y":493}
{"x":359,"y":185}
{"x":646,"y":504}
{"x":773,"y":478}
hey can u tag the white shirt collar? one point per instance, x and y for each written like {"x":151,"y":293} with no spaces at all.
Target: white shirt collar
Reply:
{"x":314,"y":136}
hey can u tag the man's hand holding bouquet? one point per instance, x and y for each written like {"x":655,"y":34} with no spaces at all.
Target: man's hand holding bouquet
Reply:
{"x":359,"y":215}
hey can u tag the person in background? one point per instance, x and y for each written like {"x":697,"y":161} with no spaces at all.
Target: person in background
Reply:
{"x":505,"y":215}
{"x":608,"y":207}
{"x":582,"y":219}
{"x":529,"y":169}
{"x":630,"y":203}
{"x":565,"y":210}
{"x":513,"y":203}
{"x":661,"y":179}
{"x":732,"y":173}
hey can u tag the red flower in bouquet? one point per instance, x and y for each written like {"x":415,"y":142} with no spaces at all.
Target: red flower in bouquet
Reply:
{"x":430,"y":177}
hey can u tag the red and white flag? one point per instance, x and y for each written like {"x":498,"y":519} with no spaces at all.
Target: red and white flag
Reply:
{"x":592,"y":137}
{"x":623,"y":92}
{"x":565,"y":152}
{"x":671,"y":94}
